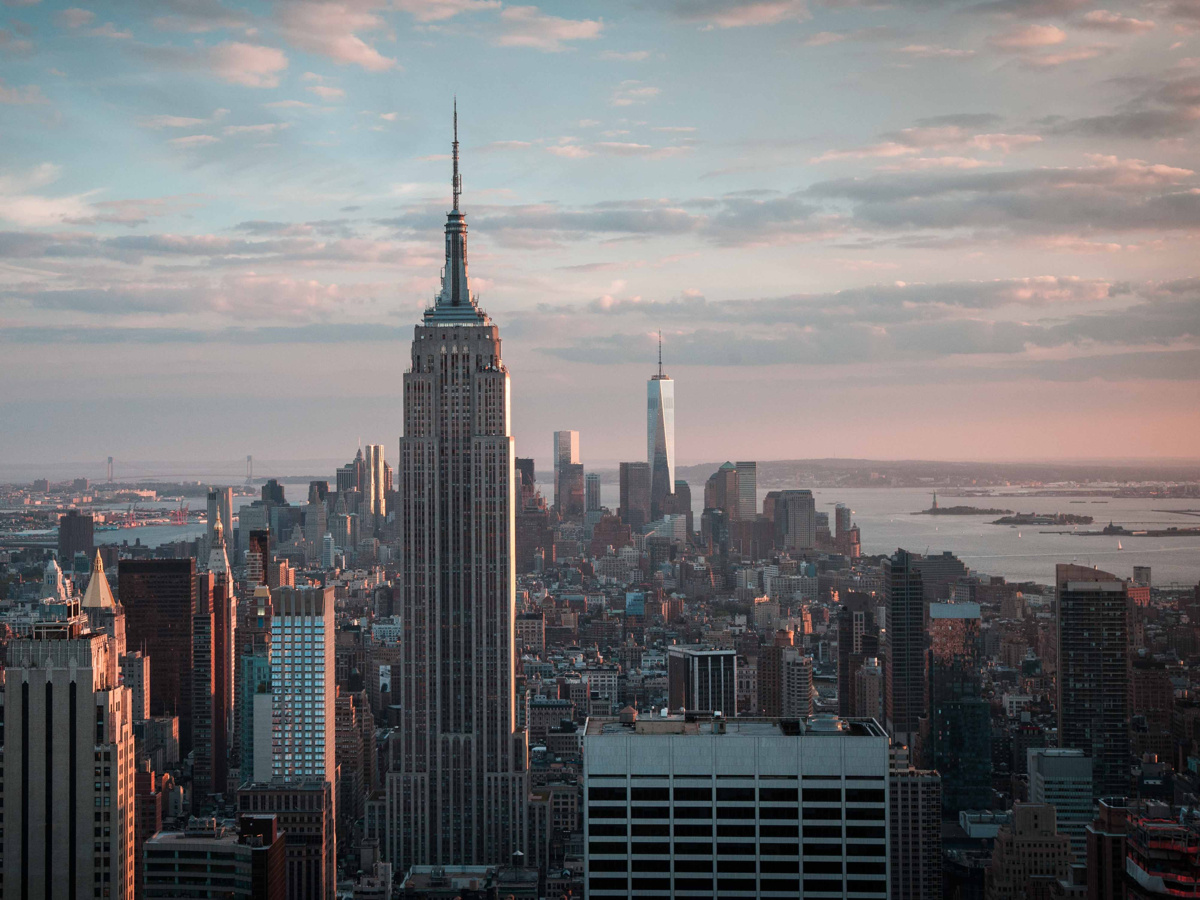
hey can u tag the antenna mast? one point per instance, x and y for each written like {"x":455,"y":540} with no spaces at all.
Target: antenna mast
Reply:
{"x":660,"y":371}
{"x":456,"y":184}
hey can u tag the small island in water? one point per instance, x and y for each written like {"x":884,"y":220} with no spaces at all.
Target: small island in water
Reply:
{"x":1040,"y":519}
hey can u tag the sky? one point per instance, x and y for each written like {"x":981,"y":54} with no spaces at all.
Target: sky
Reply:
{"x":932,"y":230}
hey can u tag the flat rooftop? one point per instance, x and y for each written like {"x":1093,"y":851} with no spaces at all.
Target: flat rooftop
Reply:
{"x":750,"y":726}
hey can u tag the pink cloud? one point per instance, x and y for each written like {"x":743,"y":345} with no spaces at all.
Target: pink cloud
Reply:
{"x":439,"y":10}
{"x":1103,"y":20}
{"x":251,"y":65}
{"x":21,"y":96}
{"x":329,"y":29}
{"x":75,"y":17}
{"x":1028,"y":37}
{"x":527,"y":26}
{"x":743,"y":13}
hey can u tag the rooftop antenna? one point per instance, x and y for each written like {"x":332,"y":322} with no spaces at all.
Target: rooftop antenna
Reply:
{"x":660,"y":371}
{"x":456,"y":183}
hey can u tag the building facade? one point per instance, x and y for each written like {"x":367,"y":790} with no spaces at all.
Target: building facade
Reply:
{"x":660,"y":439}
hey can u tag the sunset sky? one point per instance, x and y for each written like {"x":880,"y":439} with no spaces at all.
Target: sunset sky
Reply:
{"x":919,"y":230}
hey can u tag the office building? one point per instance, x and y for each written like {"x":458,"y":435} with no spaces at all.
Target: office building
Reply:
{"x":1029,"y":855}
{"x":458,"y":787}
{"x":868,"y":690}
{"x":67,"y":765}
{"x":747,"y":490}
{"x":148,"y":819}
{"x":76,"y":534}
{"x":303,"y":811}
{"x":960,"y":729}
{"x":214,"y":651}
{"x":701,"y":679}
{"x":795,"y":519}
{"x":1063,"y":779}
{"x":796,"y":690}
{"x":159,"y":598}
{"x":858,"y":640}
{"x":750,"y":807}
{"x":635,"y":494}
{"x":721,"y":491}
{"x":915,"y":824}
{"x":906,"y":690}
{"x":565,"y":453}
{"x":660,"y":439}
{"x":1093,"y":678}
{"x":253,"y":678}
{"x":272,"y":493}
{"x":244,"y":863}
{"x":842,"y":516}
{"x":591,"y":492}
{"x":570,"y":491}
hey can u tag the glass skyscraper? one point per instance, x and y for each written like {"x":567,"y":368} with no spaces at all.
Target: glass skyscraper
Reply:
{"x":660,"y":437}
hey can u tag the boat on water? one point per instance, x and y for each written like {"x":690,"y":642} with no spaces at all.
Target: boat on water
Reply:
{"x":1018,"y":534}
{"x":1119,"y":547}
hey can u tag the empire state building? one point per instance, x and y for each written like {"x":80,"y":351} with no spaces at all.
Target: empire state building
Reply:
{"x":456,"y":793}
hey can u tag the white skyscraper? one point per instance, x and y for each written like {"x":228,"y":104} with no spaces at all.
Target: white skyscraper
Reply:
{"x":457,"y":792}
{"x":747,"y":504}
{"x":302,"y":685}
{"x":660,"y":437}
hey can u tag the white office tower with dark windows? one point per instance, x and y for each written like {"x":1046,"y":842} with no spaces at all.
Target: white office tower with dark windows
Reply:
{"x":660,"y":438}
{"x":457,"y":789}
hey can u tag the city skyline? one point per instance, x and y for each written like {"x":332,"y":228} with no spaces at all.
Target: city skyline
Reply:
{"x":988,"y":230}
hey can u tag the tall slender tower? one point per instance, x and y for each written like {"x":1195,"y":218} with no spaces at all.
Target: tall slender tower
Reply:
{"x":660,"y":437}
{"x":457,"y":789}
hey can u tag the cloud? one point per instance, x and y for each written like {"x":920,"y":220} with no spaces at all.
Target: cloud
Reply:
{"x":20,"y":204}
{"x":1170,"y":109}
{"x":193,"y":140}
{"x":287,"y":104}
{"x":109,"y":30}
{"x":1073,"y":54}
{"x":629,"y":93}
{"x":10,"y":43}
{"x":439,"y":10}
{"x":262,"y":129}
{"x":1030,"y":9}
{"x":569,"y":151}
{"x":929,"y":51}
{"x":930,"y":137}
{"x":741,"y":13}
{"x":75,"y":17}
{"x":197,"y":16}
{"x":251,"y":65}
{"x":631,"y":56}
{"x":29,"y":94}
{"x":527,"y":26}
{"x":1103,"y":20}
{"x":328,"y":29}
{"x":168,"y":121}
{"x":325,"y":92}
{"x":1028,"y":37}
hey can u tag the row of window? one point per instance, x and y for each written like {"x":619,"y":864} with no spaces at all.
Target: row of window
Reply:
{"x":739,"y":794}
{"x":725,"y":848}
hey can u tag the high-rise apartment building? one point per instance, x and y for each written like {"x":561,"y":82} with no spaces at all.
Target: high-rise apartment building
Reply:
{"x":702,"y":679}
{"x":906,"y":690}
{"x":660,"y":438}
{"x":302,"y":684}
{"x":750,"y":807}
{"x":376,"y":496}
{"x":1063,"y":779}
{"x":960,"y":728}
{"x":458,"y":785}
{"x":747,"y":489}
{"x":795,"y":519}
{"x":1093,"y":673}
{"x":159,"y":597}
{"x":796,"y":689}
{"x":566,"y":453}
{"x":76,"y":534}
{"x":66,"y":765}
{"x":635,"y":494}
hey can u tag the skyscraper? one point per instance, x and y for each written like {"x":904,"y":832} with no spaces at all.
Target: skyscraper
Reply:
{"x":660,"y":437}
{"x":159,"y":596}
{"x":566,"y":453}
{"x":591,"y":492}
{"x":67,"y":766}
{"x":635,"y":494}
{"x":458,"y":786}
{"x":1093,"y":679}
{"x":302,"y":687}
{"x":747,"y":490}
{"x":220,"y":508}
{"x":76,"y":534}
{"x":906,"y":692}
{"x":858,"y":641}
{"x":376,"y":497}
{"x":960,"y":732}
{"x":795,"y":519}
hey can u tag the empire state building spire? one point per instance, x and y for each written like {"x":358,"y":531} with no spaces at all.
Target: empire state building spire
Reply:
{"x":455,"y":303}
